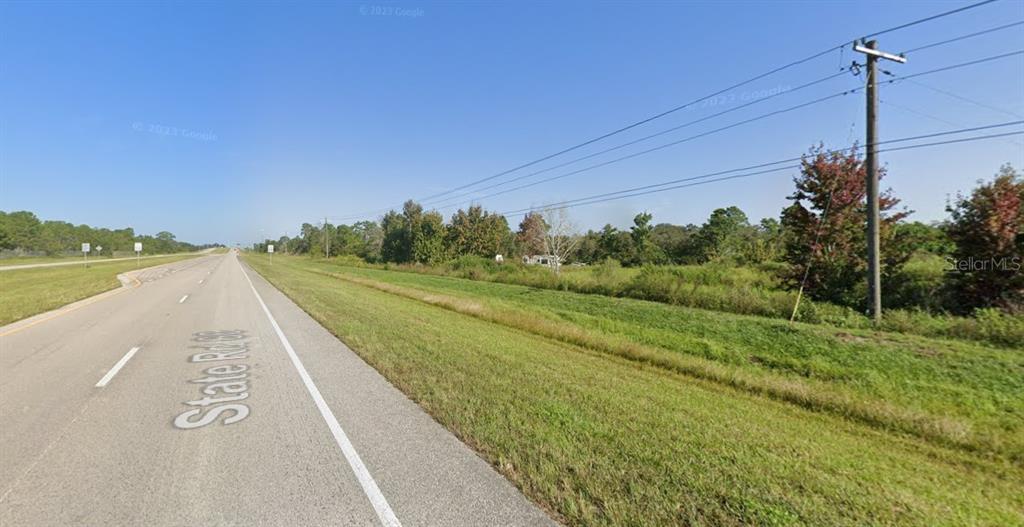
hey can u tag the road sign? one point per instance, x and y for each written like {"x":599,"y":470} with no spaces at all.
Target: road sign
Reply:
{"x":85,"y":248}
{"x":138,"y":247}
{"x":99,"y":248}
{"x":270,"y":248}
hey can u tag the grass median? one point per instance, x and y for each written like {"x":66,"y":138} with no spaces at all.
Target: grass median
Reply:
{"x":599,"y":438}
{"x":27,"y":292}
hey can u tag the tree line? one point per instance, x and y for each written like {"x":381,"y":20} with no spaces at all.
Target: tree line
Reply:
{"x":21,"y":232}
{"x":818,"y":240}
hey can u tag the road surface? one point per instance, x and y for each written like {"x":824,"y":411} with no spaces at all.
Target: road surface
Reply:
{"x":205,"y":397}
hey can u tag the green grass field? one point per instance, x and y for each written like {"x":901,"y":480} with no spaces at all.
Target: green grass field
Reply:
{"x":93,"y":259}
{"x":744,"y":290}
{"x":27,"y":292}
{"x":617,"y":411}
{"x":25,"y":260}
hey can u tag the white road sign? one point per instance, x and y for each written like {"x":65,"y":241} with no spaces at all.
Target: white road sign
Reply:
{"x":270,"y":248}
{"x":138,"y":247}
{"x":99,"y":248}
{"x":85,"y":248}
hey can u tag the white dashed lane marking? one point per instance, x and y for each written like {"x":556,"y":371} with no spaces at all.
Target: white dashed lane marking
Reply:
{"x":117,"y":367}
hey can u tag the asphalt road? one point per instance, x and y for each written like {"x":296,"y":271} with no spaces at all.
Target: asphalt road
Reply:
{"x":205,"y":397}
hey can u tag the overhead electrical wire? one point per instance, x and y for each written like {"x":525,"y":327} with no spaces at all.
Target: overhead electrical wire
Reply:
{"x":696,"y":101}
{"x":666,"y":145}
{"x":910,"y":147}
{"x":963,"y":37}
{"x":933,"y":117}
{"x":842,"y":70}
{"x":648,"y":189}
{"x":927,"y":19}
{"x":739,"y":176}
{"x":651,"y":136}
{"x":719,"y":92}
{"x":442,"y":204}
{"x":733,"y":125}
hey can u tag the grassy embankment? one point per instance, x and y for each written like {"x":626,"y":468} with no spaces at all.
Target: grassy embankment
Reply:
{"x":616,"y":411}
{"x":27,"y":292}
{"x":754,"y":290}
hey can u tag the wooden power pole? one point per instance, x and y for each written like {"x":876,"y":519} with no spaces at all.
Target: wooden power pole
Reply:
{"x":874,"y":270}
{"x":327,"y":241}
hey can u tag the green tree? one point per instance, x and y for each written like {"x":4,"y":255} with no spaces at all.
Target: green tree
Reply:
{"x":615,"y":244}
{"x":529,"y":239}
{"x":678,"y":242}
{"x":925,"y":238}
{"x":644,"y":249}
{"x":372,"y":236}
{"x":724,"y":235}
{"x":394,"y":245}
{"x":477,"y":232}
{"x":428,"y":239}
{"x":21,"y":230}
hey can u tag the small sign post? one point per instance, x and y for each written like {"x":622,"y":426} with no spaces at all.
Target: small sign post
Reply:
{"x":85,"y":253}
{"x":138,"y":253}
{"x":270,"y":251}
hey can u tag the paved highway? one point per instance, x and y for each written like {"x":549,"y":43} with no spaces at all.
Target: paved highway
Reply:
{"x":203,"y":396}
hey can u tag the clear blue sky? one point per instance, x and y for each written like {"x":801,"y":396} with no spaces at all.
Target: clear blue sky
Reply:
{"x":297,"y":111}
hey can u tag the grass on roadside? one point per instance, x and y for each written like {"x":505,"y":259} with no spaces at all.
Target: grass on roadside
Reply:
{"x":957,"y":393}
{"x":752,"y":290}
{"x":27,"y":292}
{"x":602,"y":440}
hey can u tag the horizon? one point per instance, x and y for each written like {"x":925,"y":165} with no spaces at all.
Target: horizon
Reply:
{"x":220,"y":132}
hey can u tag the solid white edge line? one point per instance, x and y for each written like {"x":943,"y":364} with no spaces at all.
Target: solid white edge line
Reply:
{"x":117,"y":367}
{"x":370,"y":488}
{"x":183,"y":299}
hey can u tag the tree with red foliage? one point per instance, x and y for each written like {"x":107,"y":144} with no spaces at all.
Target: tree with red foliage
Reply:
{"x":988,"y":230}
{"x":825,"y":228}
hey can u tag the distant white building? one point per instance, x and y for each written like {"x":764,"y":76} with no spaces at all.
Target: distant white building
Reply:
{"x":541,"y":259}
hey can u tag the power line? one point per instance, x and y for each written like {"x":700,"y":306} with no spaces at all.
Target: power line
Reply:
{"x":818,"y":81}
{"x":644,"y":121}
{"x":927,"y":19}
{"x":652,"y":188}
{"x":651,"y":136}
{"x":959,"y":97}
{"x":964,"y":140}
{"x":763,"y":116}
{"x":622,"y":129}
{"x":952,"y":67}
{"x":932,"y":117}
{"x":663,"y":146}
{"x":964,"y":37}
{"x":691,"y":103}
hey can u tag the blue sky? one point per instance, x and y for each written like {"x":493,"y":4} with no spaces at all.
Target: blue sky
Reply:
{"x":217,"y":121}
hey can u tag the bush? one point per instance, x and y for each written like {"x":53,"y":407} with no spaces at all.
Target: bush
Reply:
{"x":732,"y":289}
{"x":921,"y":284}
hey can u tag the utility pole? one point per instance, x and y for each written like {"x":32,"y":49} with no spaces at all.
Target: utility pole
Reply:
{"x":874,"y":269}
{"x":327,"y":241}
